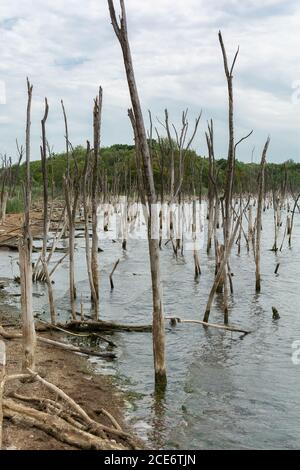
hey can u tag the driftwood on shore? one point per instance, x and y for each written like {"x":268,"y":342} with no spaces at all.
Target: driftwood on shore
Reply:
{"x":64,"y":419}
{"x":56,"y":427}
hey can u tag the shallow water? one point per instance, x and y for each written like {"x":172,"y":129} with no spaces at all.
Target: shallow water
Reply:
{"x":224,"y":390}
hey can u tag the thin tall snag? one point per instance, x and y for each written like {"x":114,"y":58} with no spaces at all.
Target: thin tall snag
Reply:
{"x":46,"y":221}
{"x":259,"y":216}
{"x":231,"y":148}
{"x":25,"y":251}
{"x":94,"y":295}
{"x":67,"y":138}
{"x":221,"y":270}
{"x":71,"y":205}
{"x":94,"y":254}
{"x":154,"y":252}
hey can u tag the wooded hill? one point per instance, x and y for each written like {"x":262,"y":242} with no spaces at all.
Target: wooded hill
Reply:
{"x":117,"y":171}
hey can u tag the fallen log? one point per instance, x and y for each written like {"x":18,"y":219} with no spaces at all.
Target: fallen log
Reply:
{"x":47,"y":326}
{"x":71,"y":347}
{"x":67,"y":347}
{"x":175,"y":320}
{"x":56,"y":427}
{"x":101,"y":325}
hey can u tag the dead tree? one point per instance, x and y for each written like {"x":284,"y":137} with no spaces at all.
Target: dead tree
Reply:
{"x":179,"y":145}
{"x":86,"y":174}
{"x":5,"y":183}
{"x":95,"y":183}
{"x":46,"y":221}
{"x":72,"y":195}
{"x":66,"y":138}
{"x":259,"y":215}
{"x":154,"y":252}
{"x":231,"y":147}
{"x":220,"y":274}
{"x":211,"y":192}
{"x":25,"y":252}
{"x":194,"y":235}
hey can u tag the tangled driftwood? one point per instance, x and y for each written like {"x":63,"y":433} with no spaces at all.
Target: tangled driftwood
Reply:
{"x":61,"y":418}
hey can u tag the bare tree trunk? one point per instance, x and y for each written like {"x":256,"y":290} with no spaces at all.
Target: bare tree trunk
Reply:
{"x":71,"y":211}
{"x":2,"y":381}
{"x":154,"y":252}
{"x":86,"y":228}
{"x":259,"y":216}
{"x":194,"y":234}
{"x":94,"y":254}
{"x":231,"y":148}
{"x":4,"y":199}
{"x":220,"y":272}
{"x":67,"y":139}
{"x":45,"y":216}
{"x":25,"y":251}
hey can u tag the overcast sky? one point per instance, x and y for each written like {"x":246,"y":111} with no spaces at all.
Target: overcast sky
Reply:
{"x":68,"y":48}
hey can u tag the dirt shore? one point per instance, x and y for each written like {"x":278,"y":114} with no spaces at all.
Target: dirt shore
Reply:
{"x":72,"y":373}
{"x":69,"y":371}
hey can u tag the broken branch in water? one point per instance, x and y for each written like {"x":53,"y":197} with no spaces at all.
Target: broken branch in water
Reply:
{"x":112,"y":273}
{"x":175,"y":320}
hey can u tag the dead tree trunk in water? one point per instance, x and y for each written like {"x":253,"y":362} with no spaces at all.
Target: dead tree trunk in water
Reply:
{"x":220,"y":273}
{"x":71,"y":205}
{"x":45,"y":216}
{"x":86,"y":225}
{"x":211,"y":191}
{"x":25,"y":251}
{"x":67,"y":139}
{"x":94,"y":254}
{"x":154,"y":252}
{"x":259,"y":215}
{"x":231,"y":148}
{"x":194,"y":235}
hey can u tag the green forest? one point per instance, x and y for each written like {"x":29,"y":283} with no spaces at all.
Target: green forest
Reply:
{"x":117,"y":171}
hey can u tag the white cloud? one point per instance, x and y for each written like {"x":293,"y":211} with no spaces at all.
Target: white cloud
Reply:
{"x":68,"y":48}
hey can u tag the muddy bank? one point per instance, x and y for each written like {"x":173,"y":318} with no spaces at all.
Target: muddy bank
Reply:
{"x":72,"y":373}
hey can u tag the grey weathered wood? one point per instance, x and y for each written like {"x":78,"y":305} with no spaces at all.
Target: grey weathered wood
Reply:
{"x":259,"y":216}
{"x":25,"y":252}
{"x":148,"y":179}
{"x":95,"y":184}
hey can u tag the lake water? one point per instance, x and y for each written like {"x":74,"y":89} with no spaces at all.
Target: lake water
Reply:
{"x":224,"y":391}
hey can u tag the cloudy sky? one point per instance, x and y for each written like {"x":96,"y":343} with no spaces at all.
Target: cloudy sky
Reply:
{"x":68,"y":48}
